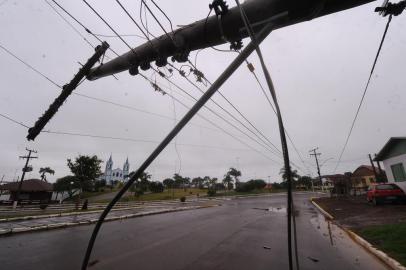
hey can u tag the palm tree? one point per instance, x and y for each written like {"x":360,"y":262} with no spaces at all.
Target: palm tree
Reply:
{"x":294,"y":174}
{"x":44,"y":171}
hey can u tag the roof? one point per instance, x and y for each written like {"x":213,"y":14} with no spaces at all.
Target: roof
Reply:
{"x":386,"y":152}
{"x":31,"y":185}
{"x":367,"y":167}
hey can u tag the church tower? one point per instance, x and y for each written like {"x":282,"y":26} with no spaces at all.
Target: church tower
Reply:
{"x":126,"y":170}
{"x":108,"y":173}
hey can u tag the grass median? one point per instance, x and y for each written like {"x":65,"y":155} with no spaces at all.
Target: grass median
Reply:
{"x":390,"y":238}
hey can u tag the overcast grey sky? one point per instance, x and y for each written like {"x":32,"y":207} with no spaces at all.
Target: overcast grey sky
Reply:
{"x":319,"y":69}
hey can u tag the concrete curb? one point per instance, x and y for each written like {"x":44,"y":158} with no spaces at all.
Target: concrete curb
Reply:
{"x":63,"y":214}
{"x":382,"y":256}
{"x":324,"y":212}
{"x":9,"y":232}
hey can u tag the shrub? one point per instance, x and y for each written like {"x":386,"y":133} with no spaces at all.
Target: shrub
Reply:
{"x":183,"y":199}
{"x":156,"y":187}
{"x":211,"y":192}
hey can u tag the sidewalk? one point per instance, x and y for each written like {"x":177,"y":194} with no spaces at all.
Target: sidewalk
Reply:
{"x":29,"y":224}
{"x":353,"y":215}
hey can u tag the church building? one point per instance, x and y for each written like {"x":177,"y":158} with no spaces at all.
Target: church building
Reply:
{"x":113,"y":175}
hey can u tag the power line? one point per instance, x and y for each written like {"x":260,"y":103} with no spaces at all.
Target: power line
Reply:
{"x":273,"y":108}
{"x":71,"y":25}
{"x":30,"y":67}
{"x":81,"y":24}
{"x":111,"y":28}
{"x":285,"y":150}
{"x":77,"y":134}
{"x":13,"y":120}
{"x":235,"y":108}
{"x":91,"y":97}
{"x":171,"y":81}
{"x":109,"y":102}
{"x":222,"y":129}
{"x":364,"y":93}
{"x":263,"y":144}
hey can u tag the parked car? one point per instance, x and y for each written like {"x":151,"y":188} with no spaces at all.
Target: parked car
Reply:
{"x":384,"y":192}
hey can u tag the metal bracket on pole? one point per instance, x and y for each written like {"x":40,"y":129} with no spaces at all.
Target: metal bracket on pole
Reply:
{"x":66,"y":92}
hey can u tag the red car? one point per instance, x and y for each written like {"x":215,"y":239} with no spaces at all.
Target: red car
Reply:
{"x":384,"y":192}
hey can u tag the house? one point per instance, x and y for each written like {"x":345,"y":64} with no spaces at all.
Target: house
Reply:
{"x":364,"y":176}
{"x":339,"y":184}
{"x":393,"y":156}
{"x":31,"y":190}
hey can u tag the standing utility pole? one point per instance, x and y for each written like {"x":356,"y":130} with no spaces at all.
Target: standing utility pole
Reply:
{"x":25,"y":169}
{"x":314,"y":153}
{"x":374,"y":169}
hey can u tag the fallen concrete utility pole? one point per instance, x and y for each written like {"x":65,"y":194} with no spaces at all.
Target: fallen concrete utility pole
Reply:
{"x":225,"y":26}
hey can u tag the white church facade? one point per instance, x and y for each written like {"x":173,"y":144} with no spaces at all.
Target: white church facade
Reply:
{"x":113,"y":175}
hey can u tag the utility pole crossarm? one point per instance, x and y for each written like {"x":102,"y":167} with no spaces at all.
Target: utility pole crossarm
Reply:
{"x":220,"y":29}
{"x":66,"y":92}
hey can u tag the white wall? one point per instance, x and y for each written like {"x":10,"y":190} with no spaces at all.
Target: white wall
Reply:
{"x":392,"y":161}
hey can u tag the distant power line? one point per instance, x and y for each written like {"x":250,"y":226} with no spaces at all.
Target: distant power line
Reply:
{"x":76,"y":134}
{"x":364,"y":93}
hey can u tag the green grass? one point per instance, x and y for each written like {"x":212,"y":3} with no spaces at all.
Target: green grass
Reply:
{"x":389,"y":238}
{"x":167,"y":195}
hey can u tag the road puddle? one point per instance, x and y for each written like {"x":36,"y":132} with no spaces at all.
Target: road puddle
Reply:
{"x":280,"y":210}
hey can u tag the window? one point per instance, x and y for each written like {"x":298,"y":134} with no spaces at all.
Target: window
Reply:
{"x":398,"y":172}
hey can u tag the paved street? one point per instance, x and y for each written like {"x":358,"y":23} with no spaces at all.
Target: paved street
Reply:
{"x":231,"y":236}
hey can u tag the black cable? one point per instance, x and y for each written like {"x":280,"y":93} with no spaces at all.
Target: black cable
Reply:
{"x":176,"y":138}
{"x":75,"y":134}
{"x":182,"y":123}
{"x":91,"y":97}
{"x":122,"y":35}
{"x":138,"y":26}
{"x":146,"y":21}
{"x":71,"y":25}
{"x":273,"y":108}
{"x":202,"y":90}
{"x":163,"y":12}
{"x":215,"y":125}
{"x":111,"y":28}
{"x":365,"y":92}
{"x":284,"y":144}
{"x":30,"y":67}
{"x":263,"y":144}
{"x":157,"y":20}
{"x":14,"y":121}
{"x":110,"y":102}
{"x":235,"y":108}
{"x":81,"y":24}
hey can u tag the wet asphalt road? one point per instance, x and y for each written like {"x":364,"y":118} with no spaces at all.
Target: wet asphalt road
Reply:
{"x":232,"y":236}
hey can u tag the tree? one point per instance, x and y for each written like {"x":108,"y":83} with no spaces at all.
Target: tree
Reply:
{"x":44,"y":171}
{"x":169,"y":183}
{"x":181,"y":181}
{"x":142,"y":183}
{"x":231,"y":177}
{"x":66,"y":184}
{"x":156,"y":187}
{"x":198,"y":182}
{"x":212,"y":184}
{"x":251,"y":185}
{"x":85,"y":169}
{"x":305,"y":181}
{"x":294,"y":174}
